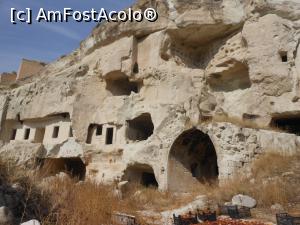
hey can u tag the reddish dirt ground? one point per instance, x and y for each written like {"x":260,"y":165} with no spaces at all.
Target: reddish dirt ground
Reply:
{"x":228,"y":221}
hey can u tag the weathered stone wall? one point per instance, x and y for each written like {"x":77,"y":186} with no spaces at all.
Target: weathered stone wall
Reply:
{"x":29,"y":68}
{"x":6,"y":78}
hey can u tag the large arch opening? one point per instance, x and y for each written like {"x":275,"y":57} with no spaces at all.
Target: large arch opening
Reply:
{"x":192,"y":159}
{"x":141,"y":174}
{"x":74,"y":167}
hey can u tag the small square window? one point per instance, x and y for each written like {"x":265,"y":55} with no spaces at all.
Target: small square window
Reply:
{"x":98,"y":130}
{"x":55,"y":132}
{"x":27,"y":133}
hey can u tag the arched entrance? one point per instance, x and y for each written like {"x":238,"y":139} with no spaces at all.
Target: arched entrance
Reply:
{"x":141,"y":174}
{"x":192,"y":159}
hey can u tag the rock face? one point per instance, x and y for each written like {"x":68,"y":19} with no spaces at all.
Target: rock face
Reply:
{"x":31,"y":222}
{"x":243,"y":200}
{"x":193,"y":96}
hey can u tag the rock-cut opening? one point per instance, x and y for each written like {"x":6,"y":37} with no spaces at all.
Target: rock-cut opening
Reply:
{"x":235,"y":77}
{"x":283,"y":56}
{"x":74,"y":167}
{"x":289,"y":124}
{"x":141,"y":174}
{"x":94,"y":130}
{"x":192,"y":159}
{"x":39,"y":135}
{"x":120,"y":85}
{"x":140,"y":128}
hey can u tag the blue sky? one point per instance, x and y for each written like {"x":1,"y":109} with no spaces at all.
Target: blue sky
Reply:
{"x":45,"y":41}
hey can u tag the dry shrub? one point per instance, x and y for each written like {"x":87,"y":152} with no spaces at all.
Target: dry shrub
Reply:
{"x":4,"y":175}
{"x":149,"y":197}
{"x":271,"y":186}
{"x":20,"y":185}
{"x":267,"y":183}
{"x":271,"y":164}
{"x":274,"y":192}
{"x":10,"y":173}
{"x":266,"y":194}
{"x":90,"y":203}
{"x":67,"y":202}
{"x":79,"y":203}
{"x":73,"y":203}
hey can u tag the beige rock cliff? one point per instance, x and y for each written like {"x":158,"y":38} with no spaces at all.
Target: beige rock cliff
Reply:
{"x":196,"y":95}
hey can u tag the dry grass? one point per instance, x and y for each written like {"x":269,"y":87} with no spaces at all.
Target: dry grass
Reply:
{"x":149,"y":198}
{"x":67,"y":202}
{"x":265,"y":194}
{"x":273,"y":164}
{"x":86,"y":203}
{"x":89,"y":203}
{"x":267,"y":183}
{"x":29,"y":199}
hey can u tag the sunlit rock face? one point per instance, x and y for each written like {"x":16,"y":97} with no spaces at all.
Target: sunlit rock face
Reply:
{"x":195,"y":96}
